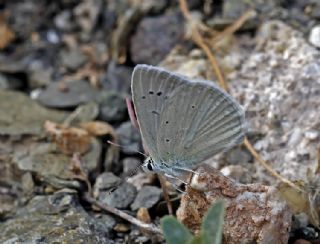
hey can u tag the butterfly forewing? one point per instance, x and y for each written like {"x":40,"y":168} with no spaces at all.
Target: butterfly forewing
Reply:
{"x":151,"y":88}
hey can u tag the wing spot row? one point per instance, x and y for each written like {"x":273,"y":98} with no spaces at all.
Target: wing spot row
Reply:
{"x":155,"y":112}
{"x":167,"y":122}
{"x":167,"y":140}
{"x":151,"y":92}
{"x":159,"y":93}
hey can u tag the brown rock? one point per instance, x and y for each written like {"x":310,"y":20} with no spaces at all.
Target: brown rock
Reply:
{"x":254,"y":213}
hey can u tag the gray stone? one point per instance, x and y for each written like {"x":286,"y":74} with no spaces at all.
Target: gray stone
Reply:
{"x":54,"y":167}
{"x":10,"y":83}
{"x":129,"y":137}
{"x":105,"y":222}
{"x":19,"y":115}
{"x":165,"y":30}
{"x":117,"y":78}
{"x":75,"y":93}
{"x":72,"y":59}
{"x":314,"y":37}
{"x":40,"y":76}
{"x":153,"y":6}
{"x":130,"y":164}
{"x":121,"y":198}
{"x":63,"y":21}
{"x":104,"y":183}
{"x":238,"y":156}
{"x":83,"y":113}
{"x":147,"y":197}
{"x":112,"y":107}
{"x":57,"y":218}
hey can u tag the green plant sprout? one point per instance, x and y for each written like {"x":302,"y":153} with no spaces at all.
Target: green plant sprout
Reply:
{"x":210,"y":233}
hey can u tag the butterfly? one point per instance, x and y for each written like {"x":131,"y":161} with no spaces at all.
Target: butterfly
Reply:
{"x":183,"y":121}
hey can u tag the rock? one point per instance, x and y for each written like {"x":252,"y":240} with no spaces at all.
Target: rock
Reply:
{"x":147,"y":197}
{"x":72,"y":59}
{"x":57,"y":218}
{"x":129,"y":138}
{"x":112,"y":107}
{"x":84,"y":113}
{"x":238,"y":156}
{"x":153,"y":6}
{"x":105,"y":222}
{"x":105,"y":182}
{"x":40,"y":76}
{"x":282,"y":100}
{"x":63,"y":21}
{"x":121,"y":198}
{"x":130,"y":164}
{"x":54,"y":167}
{"x":118,"y":79}
{"x":314,"y":37}
{"x":87,"y":14}
{"x":8,"y":82}
{"x":238,"y":173}
{"x":166,"y":30}
{"x":19,"y":115}
{"x":311,"y":134}
{"x":193,"y":65}
{"x":74,"y":94}
{"x":254,"y":213}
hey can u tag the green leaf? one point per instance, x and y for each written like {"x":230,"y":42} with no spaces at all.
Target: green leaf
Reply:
{"x":196,"y":240}
{"x":212,"y":225}
{"x":175,"y":232}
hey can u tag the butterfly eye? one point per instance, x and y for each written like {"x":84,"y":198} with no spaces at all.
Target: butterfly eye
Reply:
{"x":149,"y":166}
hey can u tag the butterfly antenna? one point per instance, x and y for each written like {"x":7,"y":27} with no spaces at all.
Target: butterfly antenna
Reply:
{"x":118,"y":145}
{"x":132,"y":172}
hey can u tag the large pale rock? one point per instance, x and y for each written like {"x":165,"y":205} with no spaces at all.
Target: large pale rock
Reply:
{"x":254,"y":213}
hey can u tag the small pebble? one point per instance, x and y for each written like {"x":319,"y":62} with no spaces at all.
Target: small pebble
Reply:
{"x":314,"y":37}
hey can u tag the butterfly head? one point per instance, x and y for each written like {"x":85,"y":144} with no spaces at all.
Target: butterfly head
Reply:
{"x":148,"y":165}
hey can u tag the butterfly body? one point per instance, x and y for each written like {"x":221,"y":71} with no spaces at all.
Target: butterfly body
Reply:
{"x":183,"y":121}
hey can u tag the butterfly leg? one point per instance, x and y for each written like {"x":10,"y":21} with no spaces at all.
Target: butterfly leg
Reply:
{"x":186,"y":169}
{"x":175,"y":178}
{"x":170,"y":178}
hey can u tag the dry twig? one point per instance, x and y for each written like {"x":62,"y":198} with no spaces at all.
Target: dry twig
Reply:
{"x":165,"y":194}
{"x":234,"y":27}
{"x":148,"y":227}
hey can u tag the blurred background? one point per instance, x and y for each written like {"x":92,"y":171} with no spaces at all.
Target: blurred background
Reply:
{"x":65,"y":70}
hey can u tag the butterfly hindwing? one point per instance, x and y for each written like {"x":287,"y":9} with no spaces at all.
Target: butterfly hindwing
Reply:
{"x":205,"y":121}
{"x":182,"y":121}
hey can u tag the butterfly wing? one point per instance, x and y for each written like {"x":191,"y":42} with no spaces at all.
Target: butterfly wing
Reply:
{"x":182,"y":121}
{"x":206,"y":121}
{"x":151,"y":88}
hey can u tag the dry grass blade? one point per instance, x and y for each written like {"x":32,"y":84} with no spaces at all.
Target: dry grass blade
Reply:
{"x":99,"y":128}
{"x":148,"y":227}
{"x":79,"y":173}
{"x":165,"y":194}
{"x":69,"y":140}
{"x":318,"y":163}
{"x":234,"y":27}
{"x":198,"y":39}
{"x":196,"y":36}
{"x":268,"y":167}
